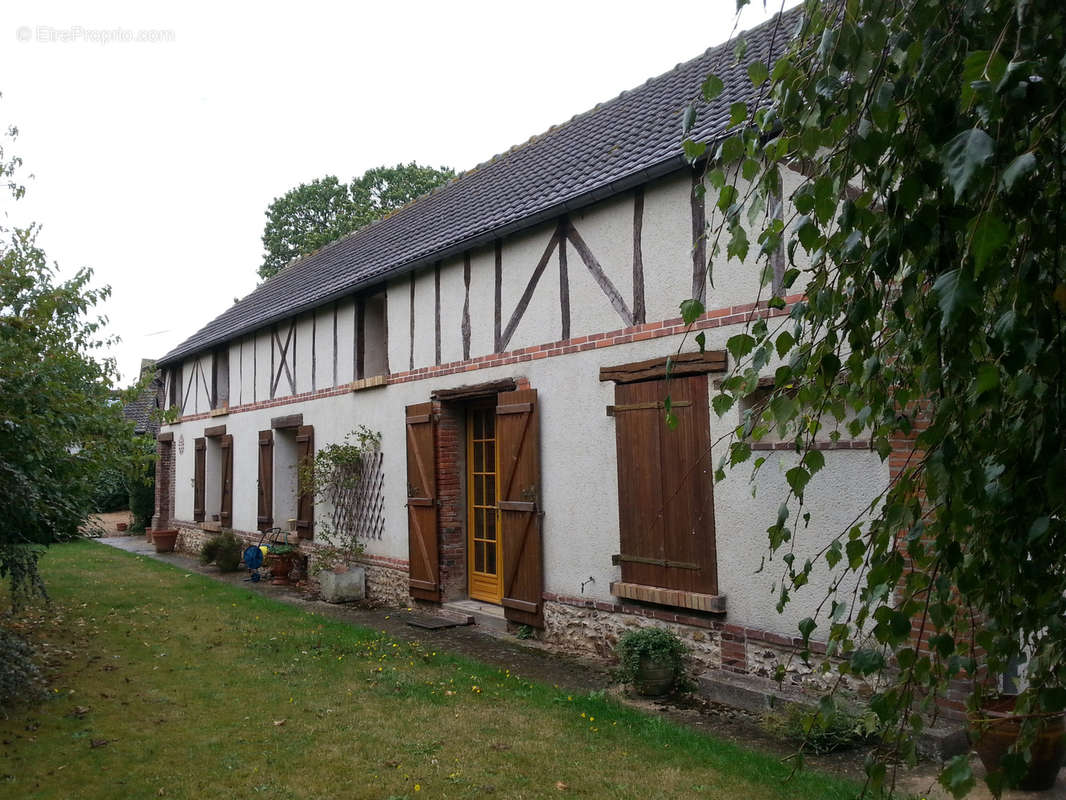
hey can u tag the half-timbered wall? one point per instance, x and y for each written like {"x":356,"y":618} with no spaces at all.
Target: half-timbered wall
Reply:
{"x":610,"y":268}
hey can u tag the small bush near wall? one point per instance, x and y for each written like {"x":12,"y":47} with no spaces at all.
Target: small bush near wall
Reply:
{"x":19,"y":676}
{"x":142,"y":498}
{"x":823,"y":731}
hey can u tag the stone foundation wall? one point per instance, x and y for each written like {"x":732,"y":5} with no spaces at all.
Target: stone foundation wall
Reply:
{"x":386,"y":579}
{"x":588,"y":629}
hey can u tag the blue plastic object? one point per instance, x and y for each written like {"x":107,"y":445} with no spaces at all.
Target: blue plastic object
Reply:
{"x":253,"y":557}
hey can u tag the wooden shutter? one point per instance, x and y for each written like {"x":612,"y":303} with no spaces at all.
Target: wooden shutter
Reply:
{"x":265,"y":515}
{"x":517,"y":437}
{"x":665,"y":490}
{"x":305,"y":500}
{"x":199,"y":473}
{"x":423,"y":554}
{"x":225,"y":515}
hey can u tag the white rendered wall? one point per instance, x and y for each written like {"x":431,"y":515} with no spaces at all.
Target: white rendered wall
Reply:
{"x":578,"y":458}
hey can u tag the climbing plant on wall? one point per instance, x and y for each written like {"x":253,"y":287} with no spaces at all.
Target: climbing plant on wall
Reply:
{"x":926,"y":241}
{"x":348,"y":477}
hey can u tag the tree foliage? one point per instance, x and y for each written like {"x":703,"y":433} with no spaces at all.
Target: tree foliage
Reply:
{"x":61,"y":428}
{"x":926,"y":242}
{"x":314,"y":214}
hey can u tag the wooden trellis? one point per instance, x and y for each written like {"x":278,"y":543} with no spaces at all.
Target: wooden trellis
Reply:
{"x":358,"y":499}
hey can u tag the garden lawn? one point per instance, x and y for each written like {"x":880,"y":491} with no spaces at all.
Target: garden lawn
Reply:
{"x":169,"y":684}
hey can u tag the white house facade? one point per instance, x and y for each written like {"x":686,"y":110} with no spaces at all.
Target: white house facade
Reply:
{"x":507,"y":335}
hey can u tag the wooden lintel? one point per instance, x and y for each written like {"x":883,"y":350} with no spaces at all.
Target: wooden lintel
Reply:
{"x":215,"y":431}
{"x":165,"y":437}
{"x":475,"y":390}
{"x":655,"y":368}
{"x":288,"y":421}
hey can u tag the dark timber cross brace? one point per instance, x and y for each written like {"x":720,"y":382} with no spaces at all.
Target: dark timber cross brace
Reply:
{"x":283,"y":351}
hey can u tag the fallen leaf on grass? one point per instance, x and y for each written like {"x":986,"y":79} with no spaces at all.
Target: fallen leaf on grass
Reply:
{"x":392,"y":764}
{"x":279,"y":722}
{"x":100,"y":742}
{"x":562,"y":787}
{"x":79,"y":711}
{"x":500,"y":746}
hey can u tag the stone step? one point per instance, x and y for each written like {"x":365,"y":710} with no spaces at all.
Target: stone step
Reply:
{"x":484,"y":615}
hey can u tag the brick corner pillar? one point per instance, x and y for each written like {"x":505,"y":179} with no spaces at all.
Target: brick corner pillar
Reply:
{"x":451,"y":470}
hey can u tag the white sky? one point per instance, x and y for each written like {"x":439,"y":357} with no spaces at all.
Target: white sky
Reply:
{"x":154,"y":162}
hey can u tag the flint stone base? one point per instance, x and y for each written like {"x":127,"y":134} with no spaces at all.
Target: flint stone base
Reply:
{"x":343,"y":587}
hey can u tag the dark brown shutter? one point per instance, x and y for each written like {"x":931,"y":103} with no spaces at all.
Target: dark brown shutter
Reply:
{"x":265,"y":515}
{"x":423,"y":558}
{"x":665,"y":490}
{"x":517,"y":437}
{"x":199,"y":472}
{"x":305,"y":500}
{"x":225,"y":515}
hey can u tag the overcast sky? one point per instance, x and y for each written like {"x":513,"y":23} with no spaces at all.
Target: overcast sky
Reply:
{"x":158,"y":134}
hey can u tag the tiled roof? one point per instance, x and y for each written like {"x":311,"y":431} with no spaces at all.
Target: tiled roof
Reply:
{"x":615,"y":146}
{"x":141,"y":410}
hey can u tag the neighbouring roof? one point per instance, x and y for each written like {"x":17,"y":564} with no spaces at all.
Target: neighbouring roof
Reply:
{"x":617,"y":145}
{"x":141,"y":411}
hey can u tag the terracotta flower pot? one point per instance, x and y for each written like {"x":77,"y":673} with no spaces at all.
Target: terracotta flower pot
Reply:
{"x":280,"y":566}
{"x":654,"y":678}
{"x":122,"y":525}
{"x":995,"y":728}
{"x":164,"y":541}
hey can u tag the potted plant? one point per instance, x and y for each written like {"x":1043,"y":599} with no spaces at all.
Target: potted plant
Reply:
{"x":281,"y":558}
{"x":225,"y":550}
{"x":651,"y":659}
{"x":165,"y":540}
{"x":1006,"y":726}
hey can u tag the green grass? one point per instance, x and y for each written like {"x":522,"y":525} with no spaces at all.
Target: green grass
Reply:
{"x":191,"y":688}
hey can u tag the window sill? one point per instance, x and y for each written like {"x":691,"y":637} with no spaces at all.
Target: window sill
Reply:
{"x":367,"y":383}
{"x":711,"y":603}
{"x":219,"y":412}
{"x":212,"y":527}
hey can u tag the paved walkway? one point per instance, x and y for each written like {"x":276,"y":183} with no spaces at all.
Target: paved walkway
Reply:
{"x":535,"y":661}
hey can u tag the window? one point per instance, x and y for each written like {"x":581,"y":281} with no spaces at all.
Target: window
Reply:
{"x":220,"y":378}
{"x":213,"y":477}
{"x":174,"y":398}
{"x":284,"y":495}
{"x":665,"y":490}
{"x":373,"y":354}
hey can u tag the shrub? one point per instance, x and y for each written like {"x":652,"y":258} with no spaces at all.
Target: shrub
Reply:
{"x":19,"y":676}
{"x":142,"y":499}
{"x":225,"y":550}
{"x":821,"y":731}
{"x":656,"y":644}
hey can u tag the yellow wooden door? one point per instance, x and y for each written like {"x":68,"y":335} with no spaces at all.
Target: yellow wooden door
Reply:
{"x":484,"y":555}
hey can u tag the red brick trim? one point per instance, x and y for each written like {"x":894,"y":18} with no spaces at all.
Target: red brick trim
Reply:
{"x":715,"y":318}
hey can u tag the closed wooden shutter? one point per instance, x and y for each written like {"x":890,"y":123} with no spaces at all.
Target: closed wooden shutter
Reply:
{"x":199,"y":474}
{"x":305,"y":500}
{"x":423,"y":553}
{"x":665,"y":489}
{"x":265,"y":513}
{"x":517,"y":437}
{"x":226,"y":506}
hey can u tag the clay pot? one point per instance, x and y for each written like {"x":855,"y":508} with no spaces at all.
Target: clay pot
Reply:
{"x":995,"y":728}
{"x":121,"y":526}
{"x":164,"y":540}
{"x":654,"y":678}
{"x":281,"y":566}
